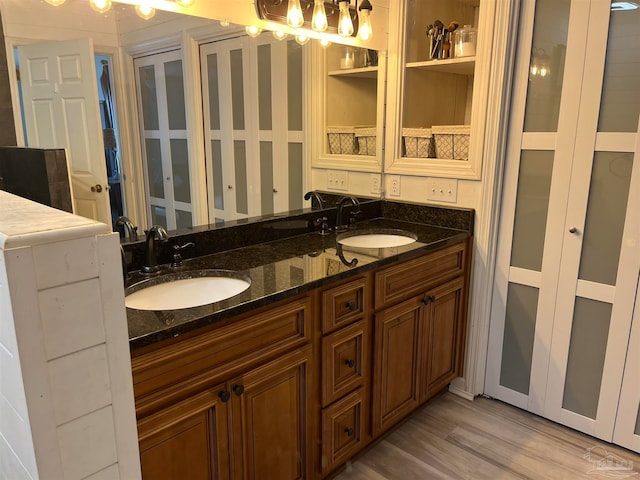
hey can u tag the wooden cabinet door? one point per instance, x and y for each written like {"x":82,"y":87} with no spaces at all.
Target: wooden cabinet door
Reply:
{"x":186,"y":440}
{"x":269,"y":419}
{"x":396,"y":362}
{"x":444,"y":314}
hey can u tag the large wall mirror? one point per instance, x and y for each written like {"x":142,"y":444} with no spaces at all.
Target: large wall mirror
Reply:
{"x":201,"y":123}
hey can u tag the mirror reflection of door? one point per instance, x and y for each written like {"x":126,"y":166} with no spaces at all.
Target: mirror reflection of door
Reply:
{"x":61,"y":110}
{"x":165,"y":152}
{"x":253,"y":111}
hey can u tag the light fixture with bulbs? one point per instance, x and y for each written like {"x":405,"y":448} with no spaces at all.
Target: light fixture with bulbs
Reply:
{"x":253,"y":31}
{"x":278,"y":35}
{"x":345,"y":17}
{"x":144,"y":8}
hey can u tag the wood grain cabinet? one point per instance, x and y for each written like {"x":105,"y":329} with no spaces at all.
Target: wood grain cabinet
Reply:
{"x":209,"y":407}
{"x":418,"y":342}
{"x":346,"y":371}
{"x":294,"y":390}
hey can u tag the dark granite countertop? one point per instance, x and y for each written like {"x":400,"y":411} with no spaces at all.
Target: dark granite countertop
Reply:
{"x":285,"y":268}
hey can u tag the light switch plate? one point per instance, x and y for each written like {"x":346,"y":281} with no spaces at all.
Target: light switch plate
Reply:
{"x":394,"y":185}
{"x":375,"y":183}
{"x":442,"y":189}
{"x":337,"y":180}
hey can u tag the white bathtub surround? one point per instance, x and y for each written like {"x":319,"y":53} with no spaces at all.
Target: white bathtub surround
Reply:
{"x":66,"y":394}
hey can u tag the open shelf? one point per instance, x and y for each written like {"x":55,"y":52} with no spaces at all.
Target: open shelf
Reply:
{"x":365,"y":72}
{"x":459,"y":66}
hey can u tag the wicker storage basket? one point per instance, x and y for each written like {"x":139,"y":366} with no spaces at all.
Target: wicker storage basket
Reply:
{"x":366,"y":139}
{"x":418,"y":142}
{"x":342,"y":140}
{"x":452,"y":141}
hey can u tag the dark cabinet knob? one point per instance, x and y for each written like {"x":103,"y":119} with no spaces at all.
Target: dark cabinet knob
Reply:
{"x":348,"y":431}
{"x":238,"y":389}
{"x":351,"y":305}
{"x":350,"y":363}
{"x":224,"y":396}
{"x":428,"y":299}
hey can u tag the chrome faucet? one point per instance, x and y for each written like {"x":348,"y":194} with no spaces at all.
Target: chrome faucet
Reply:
{"x":130,"y":230}
{"x":150,"y":261}
{"x":354,"y":201}
{"x":314,"y":195}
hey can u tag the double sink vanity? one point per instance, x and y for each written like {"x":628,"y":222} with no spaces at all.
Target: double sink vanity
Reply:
{"x":281,"y":348}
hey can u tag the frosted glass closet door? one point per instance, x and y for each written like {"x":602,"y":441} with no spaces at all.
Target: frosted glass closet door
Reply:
{"x":568,"y":263}
{"x":600,"y":263}
{"x":540,"y":148}
{"x":253,"y":126}
{"x":163,"y":123}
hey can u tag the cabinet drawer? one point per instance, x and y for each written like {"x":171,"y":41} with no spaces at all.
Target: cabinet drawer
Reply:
{"x":342,"y":430}
{"x":401,"y":281}
{"x":344,"y":365}
{"x":343,"y":304}
{"x":184,"y":367}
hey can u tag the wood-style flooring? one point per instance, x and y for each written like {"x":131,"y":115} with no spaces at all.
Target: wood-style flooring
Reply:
{"x":452,"y":438}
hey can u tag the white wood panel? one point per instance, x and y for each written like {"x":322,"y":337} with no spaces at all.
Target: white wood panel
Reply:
{"x":109,"y":473}
{"x":16,"y":432}
{"x":71,"y":317}
{"x":21,"y":271}
{"x":119,"y":359}
{"x":12,"y":467}
{"x":65,"y":262}
{"x":80,"y":383}
{"x":87,"y":445}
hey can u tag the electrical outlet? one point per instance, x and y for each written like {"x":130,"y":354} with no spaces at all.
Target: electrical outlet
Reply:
{"x":394,"y":185}
{"x":442,"y":189}
{"x":337,"y":180}
{"x":375,"y":183}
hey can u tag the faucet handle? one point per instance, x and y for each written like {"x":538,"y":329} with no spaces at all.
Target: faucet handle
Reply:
{"x":353,"y":216}
{"x":324,"y":225}
{"x":176,"y":260}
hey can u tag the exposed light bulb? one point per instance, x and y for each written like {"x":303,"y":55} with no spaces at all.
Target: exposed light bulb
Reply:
{"x":345,"y":25}
{"x":55,"y":3}
{"x":319,"y":20}
{"x":365,"y":31}
{"x":302,"y":39}
{"x":185,"y":3}
{"x":278,"y":35}
{"x":145,"y":11}
{"x":295,"y":19}
{"x":253,"y":31}
{"x":325,"y":42}
{"x":100,"y":6}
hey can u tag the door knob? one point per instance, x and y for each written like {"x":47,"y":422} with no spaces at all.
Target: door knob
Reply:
{"x":350,"y":363}
{"x":573,"y":230}
{"x":96,"y":188}
{"x":224,"y":396}
{"x":348,"y":431}
{"x":351,"y":305}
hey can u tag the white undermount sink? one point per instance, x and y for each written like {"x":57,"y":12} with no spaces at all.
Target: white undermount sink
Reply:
{"x":376,"y":239}
{"x":186,"y":290}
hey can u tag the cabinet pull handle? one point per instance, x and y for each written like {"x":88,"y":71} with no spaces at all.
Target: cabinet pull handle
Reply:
{"x":573,"y":230}
{"x":350,"y":363}
{"x":351,"y":305}
{"x":238,"y":389}
{"x":348,"y":431}
{"x":428,"y":299}
{"x":224,"y":396}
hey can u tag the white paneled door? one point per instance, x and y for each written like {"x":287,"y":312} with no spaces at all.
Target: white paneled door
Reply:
{"x":567,"y":272}
{"x":61,"y":110}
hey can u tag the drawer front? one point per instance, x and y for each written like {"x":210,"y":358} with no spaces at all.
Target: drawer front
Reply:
{"x":344,"y":364}
{"x":343,"y":304}
{"x":398,"y":282}
{"x":342,"y":430}
{"x":188,"y":366}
